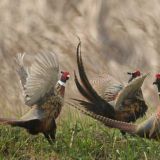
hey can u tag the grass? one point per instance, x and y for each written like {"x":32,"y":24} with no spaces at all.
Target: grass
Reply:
{"x":78,"y":138}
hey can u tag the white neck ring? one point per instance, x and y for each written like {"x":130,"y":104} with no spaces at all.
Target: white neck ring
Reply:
{"x":62,"y":83}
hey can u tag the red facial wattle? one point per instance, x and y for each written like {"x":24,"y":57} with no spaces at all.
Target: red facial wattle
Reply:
{"x":65,"y":76}
{"x":158,"y":76}
{"x":136,"y":73}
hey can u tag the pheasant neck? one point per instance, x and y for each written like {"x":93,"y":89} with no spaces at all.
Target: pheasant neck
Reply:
{"x":60,"y":88}
{"x":159,"y":94}
{"x":158,"y":86}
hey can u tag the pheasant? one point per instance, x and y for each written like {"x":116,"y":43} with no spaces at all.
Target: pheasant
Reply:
{"x":43,"y":93}
{"x":116,"y":102}
{"x":150,"y":128}
{"x":157,"y":83}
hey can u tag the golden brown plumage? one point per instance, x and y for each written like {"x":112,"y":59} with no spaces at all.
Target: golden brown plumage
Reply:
{"x":43,"y":92}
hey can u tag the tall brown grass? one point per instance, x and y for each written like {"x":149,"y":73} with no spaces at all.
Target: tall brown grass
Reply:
{"x":117,"y":36}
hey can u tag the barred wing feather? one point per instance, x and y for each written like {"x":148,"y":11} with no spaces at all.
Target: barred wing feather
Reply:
{"x":129,"y":90}
{"x":21,"y":69}
{"x":43,"y":77}
{"x":34,"y":113}
{"x":106,"y":86}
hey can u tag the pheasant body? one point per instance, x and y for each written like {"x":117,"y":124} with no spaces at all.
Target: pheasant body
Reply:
{"x":134,"y":109}
{"x":53,"y":106}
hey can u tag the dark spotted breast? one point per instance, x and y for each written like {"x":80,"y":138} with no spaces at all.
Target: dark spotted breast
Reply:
{"x":53,"y":106}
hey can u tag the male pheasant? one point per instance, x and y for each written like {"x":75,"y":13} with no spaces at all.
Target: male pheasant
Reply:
{"x":43,"y":92}
{"x":150,"y":128}
{"x":115,"y":101}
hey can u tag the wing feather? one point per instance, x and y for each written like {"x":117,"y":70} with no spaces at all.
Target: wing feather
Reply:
{"x":106,"y":86}
{"x":21,"y":69}
{"x":43,"y":77}
{"x":129,"y":90}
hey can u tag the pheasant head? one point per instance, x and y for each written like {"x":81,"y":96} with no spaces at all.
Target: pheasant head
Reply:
{"x":157,"y":82}
{"x":60,"y":87}
{"x":134,"y":75}
{"x":64,"y":77}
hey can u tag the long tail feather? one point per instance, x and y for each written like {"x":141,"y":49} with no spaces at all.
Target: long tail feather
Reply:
{"x":81,"y":89}
{"x":92,"y":108}
{"x":123,"y":126}
{"x":90,"y":93}
{"x":147,"y":129}
{"x":30,"y":125}
{"x":83,"y":76}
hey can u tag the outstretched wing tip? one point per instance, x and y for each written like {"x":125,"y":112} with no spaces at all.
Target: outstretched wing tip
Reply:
{"x":43,"y":76}
{"x":130,"y":89}
{"x":19,"y":58}
{"x":146,"y":75}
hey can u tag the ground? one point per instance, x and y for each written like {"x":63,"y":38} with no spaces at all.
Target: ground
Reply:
{"x":78,"y":138}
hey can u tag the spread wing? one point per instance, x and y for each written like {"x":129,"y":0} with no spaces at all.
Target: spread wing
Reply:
{"x":21,"y":69}
{"x":129,"y":90}
{"x":34,"y":113}
{"x":106,"y":86}
{"x":42,"y":78}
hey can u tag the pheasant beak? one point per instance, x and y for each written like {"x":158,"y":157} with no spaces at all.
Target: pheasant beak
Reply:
{"x":131,"y":78}
{"x":129,"y":73}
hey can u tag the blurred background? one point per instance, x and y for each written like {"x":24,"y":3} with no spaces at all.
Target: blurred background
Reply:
{"x":117,"y":36}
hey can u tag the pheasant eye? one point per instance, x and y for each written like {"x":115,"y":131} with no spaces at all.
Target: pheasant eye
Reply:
{"x":136,"y":73}
{"x":62,"y":72}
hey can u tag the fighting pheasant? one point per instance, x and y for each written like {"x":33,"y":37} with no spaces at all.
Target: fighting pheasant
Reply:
{"x":44,"y":93}
{"x":108,"y":98}
{"x":150,"y":128}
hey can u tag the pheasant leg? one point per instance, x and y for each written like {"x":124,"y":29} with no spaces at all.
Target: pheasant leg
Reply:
{"x":48,"y":137}
{"x":53,"y":131}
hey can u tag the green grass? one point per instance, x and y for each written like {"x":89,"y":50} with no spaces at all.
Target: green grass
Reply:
{"x":78,"y":138}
